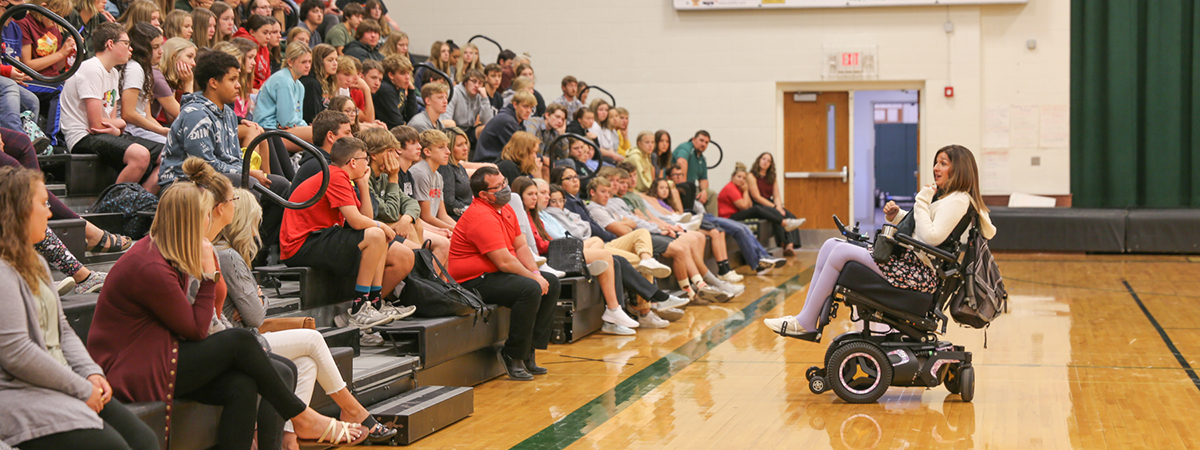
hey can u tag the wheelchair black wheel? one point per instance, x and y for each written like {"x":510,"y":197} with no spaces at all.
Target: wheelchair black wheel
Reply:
{"x":859,"y":372}
{"x":953,"y":380}
{"x":817,"y":385}
{"x":966,"y":377}
{"x":813,"y":371}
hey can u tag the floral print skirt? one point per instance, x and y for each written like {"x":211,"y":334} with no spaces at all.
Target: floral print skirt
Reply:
{"x":907,"y":271}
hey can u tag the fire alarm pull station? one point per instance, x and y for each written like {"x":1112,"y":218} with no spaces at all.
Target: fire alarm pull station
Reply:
{"x":949,"y":91}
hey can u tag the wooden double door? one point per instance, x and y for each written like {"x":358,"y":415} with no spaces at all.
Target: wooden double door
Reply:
{"x":816,"y":157}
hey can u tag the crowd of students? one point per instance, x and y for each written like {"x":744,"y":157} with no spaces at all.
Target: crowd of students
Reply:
{"x":464,"y":160}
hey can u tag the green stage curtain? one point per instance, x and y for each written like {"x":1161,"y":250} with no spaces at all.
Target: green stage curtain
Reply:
{"x":1135,"y":110}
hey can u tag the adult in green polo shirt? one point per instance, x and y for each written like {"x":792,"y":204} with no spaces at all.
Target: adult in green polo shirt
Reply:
{"x":690,"y":156}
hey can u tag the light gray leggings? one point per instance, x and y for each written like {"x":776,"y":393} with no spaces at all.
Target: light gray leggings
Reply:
{"x":834,"y":255}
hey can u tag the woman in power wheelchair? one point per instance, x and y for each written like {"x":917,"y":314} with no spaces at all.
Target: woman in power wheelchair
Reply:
{"x":904,"y":289}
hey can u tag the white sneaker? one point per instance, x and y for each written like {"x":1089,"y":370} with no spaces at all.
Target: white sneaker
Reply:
{"x":788,"y":325}
{"x":397,"y":312}
{"x":612,"y":328}
{"x":652,"y":267}
{"x":65,"y":286}
{"x":693,"y":225}
{"x":368,"y":317}
{"x":733,"y":290}
{"x":763,"y":268}
{"x":618,"y":316}
{"x":597,"y":267}
{"x":553,"y":271}
{"x":670,"y":314}
{"x":651,"y":320}
{"x":776,"y":262}
{"x":539,"y":260}
{"x":712,"y":294}
{"x":371,"y":340}
{"x":685,"y":217}
{"x":731,"y":277}
{"x":671,"y":302}
{"x":792,"y":224}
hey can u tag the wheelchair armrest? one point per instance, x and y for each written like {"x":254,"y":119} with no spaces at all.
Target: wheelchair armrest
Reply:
{"x":928,"y":249}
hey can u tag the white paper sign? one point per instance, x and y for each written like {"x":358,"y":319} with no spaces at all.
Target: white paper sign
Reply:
{"x":1056,"y":126}
{"x":995,"y":127}
{"x":1023,"y":120}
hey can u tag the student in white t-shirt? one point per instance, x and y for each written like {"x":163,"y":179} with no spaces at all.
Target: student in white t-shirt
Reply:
{"x":146,"y":42}
{"x":428,"y":183}
{"x":89,"y":112}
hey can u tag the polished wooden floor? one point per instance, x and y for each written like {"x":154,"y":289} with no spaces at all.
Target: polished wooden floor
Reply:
{"x":1084,"y":360}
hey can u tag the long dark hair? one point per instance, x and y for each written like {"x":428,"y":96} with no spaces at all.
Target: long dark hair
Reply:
{"x":663,"y":159}
{"x":964,"y":175}
{"x":519,"y":186}
{"x":140,"y":37}
{"x":768,"y":175}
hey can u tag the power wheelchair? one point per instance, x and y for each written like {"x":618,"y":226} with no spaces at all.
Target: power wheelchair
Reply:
{"x":861,"y":365}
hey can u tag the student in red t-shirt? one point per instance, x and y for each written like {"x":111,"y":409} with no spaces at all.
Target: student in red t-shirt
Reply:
{"x":489,"y":255}
{"x":339,"y":235}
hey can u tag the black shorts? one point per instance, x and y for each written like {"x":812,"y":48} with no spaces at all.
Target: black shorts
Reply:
{"x":660,"y":242}
{"x":111,"y":149}
{"x":334,"y":249}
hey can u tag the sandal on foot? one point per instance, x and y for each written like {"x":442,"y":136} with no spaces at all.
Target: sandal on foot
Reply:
{"x":334,"y":435}
{"x":110,"y":243}
{"x":379,"y":433}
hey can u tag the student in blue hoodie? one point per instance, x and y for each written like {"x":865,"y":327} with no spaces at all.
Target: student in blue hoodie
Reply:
{"x":500,"y":129}
{"x":207,"y":129}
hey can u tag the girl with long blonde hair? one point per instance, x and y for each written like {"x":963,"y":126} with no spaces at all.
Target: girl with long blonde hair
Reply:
{"x":178,"y":60}
{"x":141,"y":11}
{"x":178,"y":24}
{"x":204,"y":23}
{"x":519,"y":156}
{"x":320,"y":81}
{"x":470,"y":60}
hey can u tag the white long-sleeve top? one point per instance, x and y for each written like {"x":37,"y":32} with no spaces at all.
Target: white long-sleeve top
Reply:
{"x":934,"y":221}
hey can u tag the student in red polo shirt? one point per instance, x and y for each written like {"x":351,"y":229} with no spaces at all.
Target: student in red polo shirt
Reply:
{"x":339,"y":235}
{"x":489,"y":255}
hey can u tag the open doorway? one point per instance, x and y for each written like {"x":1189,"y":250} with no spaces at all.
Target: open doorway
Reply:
{"x":886,"y":152}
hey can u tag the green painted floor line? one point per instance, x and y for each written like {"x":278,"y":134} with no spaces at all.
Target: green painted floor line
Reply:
{"x":580,"y":422}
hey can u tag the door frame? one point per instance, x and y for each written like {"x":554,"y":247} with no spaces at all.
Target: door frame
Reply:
{"x":852,"y":86}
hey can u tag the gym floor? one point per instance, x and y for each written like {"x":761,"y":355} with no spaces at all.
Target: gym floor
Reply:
{"x":1097,"y":352}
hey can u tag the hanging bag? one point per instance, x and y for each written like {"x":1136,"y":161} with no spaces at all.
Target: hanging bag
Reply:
{"x":982,"y":295}
{"x":433,"y":296}
{"x":566,"y":254}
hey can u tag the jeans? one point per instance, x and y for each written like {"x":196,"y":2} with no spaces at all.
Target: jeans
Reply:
{"x":13,"y":99}
{"x":532,"y":313}
{"x":752,"y":250}
{"x":48,"y":96}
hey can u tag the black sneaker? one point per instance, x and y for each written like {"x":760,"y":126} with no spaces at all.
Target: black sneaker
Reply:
{"x":40,"y":144}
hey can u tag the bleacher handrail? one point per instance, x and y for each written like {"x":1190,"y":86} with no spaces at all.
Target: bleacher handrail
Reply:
{"x":553,"y":157}
{"x":720,"y":156}
{"x":264,"y":191}
{"x":13,"y":10}
{"x":428,"y":66}
{"x":611,"y":99}
{"x":493,"y":41}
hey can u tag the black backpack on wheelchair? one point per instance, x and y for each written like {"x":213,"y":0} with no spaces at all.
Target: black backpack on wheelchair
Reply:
{"x":859,"y":366}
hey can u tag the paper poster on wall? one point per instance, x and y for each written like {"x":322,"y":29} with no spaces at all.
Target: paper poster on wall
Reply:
{"x":1056,"y":126}
{"x":1023,"y":122}
{"x":995,"y":127}
{"x":996,"y":172}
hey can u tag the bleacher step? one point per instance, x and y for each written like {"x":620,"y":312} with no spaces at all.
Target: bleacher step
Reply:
{"x":59,"y":190}
{"x":379,"y":374}
{"x":424,"y":410}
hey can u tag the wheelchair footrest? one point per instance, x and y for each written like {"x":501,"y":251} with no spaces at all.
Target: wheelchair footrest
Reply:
{"x":814,"y":336}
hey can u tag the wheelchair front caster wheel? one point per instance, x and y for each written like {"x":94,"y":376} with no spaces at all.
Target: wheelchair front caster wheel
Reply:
{"x":817,"y":385}
{"x":966,"y":376}
{"x":813,"y":371}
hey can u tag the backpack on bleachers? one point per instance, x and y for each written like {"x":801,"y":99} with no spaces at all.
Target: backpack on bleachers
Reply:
{"x":982,"y":295}
{"x":433,"y":296}
{"x":128,"y":199}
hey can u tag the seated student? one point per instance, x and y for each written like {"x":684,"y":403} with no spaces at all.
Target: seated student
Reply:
{"x":491,"y":87}
{"x":365,"y":44}
{"x":520,"y":157}
{"x":259,"y":28}
{"x":939,"y":208}
{"x":173,"y":78}
{"x":409,"y":153}
{"x":312,"y":14}
{"x":226,"y":21}
{"x":189,"y":5}
{"x":349,"y":82}
{"x":279,"y":101}
{"x":525,"y":71}
{"x":427,"y":181}
{"x":639,"y":158}
{"x":622,"y":182}
{"x":570,"y":88}
{"x":548,"y":128}
{"x":616,"y":218}
{"x":86,"y":18}
{"x":455,"y":176}
{"x":371,"y":72}
{"x":393,"y":206}
{"x":582,"y":122}
{"x":435,"y":107}
{"x":178,"y":24}
{"x":328,"y":127}
{"x":363,"y":248}
{"x":150,"y":332}
{"x":440,"y":58}
{"x":44,"y":49}
{"x":298,"y":34}
{"x":469,"y":109}
{"x":395,"y":101}
{"x":145,"y":42}
{"x":347,"y":107}
{"x":236,"y":245}
{"x":15,"y":98}
{"x":761,"y":187}
{"x":205,"y":24}
{"x":342,"y":33}
{"x":142,"y":11}
{"x":500,"y":129}
{"x":319,"y":83}
{"x":54,"y":395}
{"x":608,"y":138}
{"x":397,"y":44}
{"x":622,"y":128}
{"x":753,"y":252}
{"x":581,"y":159}
{"x":734,"y":203}
{"x":90,"y":121}
{"x":488,"y":255}
{"x":690,"y":156}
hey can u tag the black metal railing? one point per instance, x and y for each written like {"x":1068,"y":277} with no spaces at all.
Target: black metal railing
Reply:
{"x":612,"y":100}
{"x":264,"y":191}
{"x":13,"y":10}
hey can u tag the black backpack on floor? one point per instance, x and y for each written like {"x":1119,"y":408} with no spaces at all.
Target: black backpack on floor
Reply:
{"x":433,"y":296}
{"x":129,"y":199}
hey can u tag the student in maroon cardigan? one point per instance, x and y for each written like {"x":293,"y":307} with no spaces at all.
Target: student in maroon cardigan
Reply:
{"x":154,"y":343}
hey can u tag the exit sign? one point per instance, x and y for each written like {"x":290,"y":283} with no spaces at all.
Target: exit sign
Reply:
{"x":850,"y":63}
{"x":850,"y":59}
